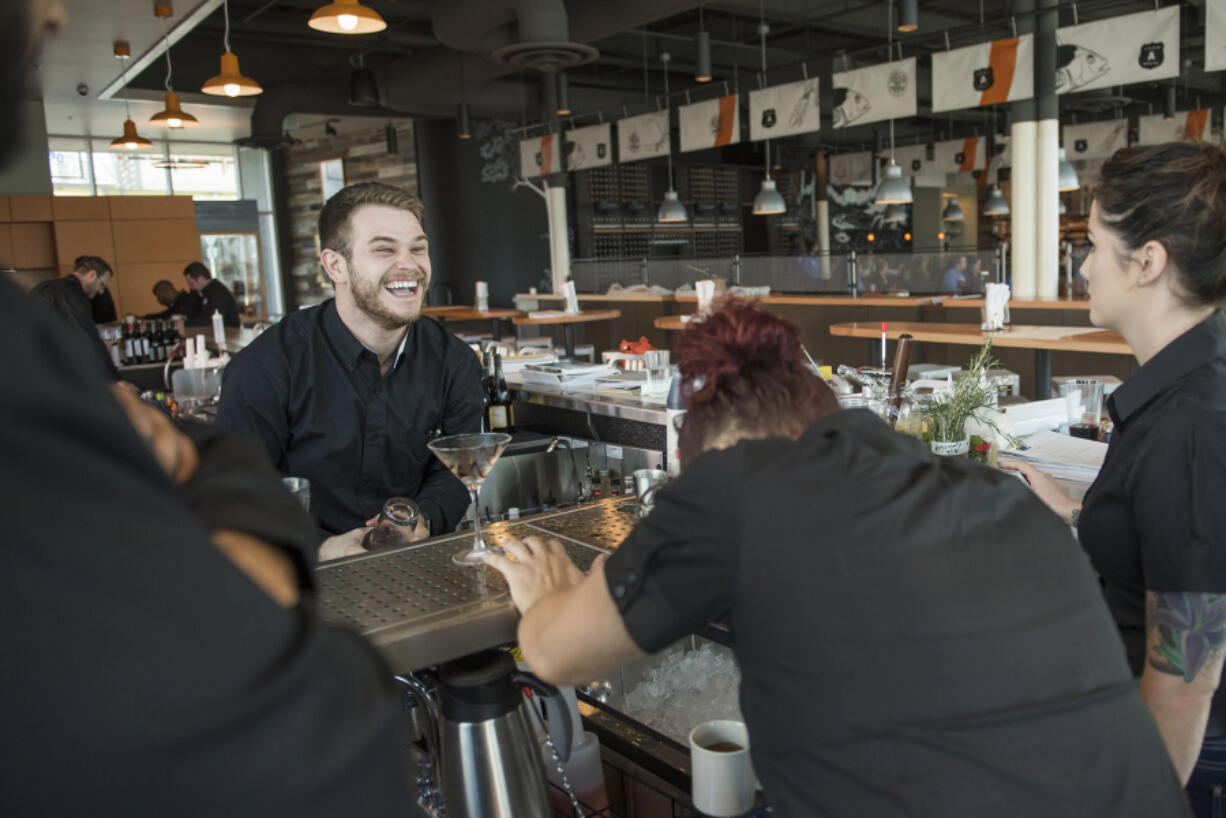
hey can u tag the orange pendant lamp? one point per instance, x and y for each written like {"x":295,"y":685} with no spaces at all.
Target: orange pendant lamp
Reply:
{"x":230,"y":82}
{"x":173,"y":115}
{"x":130,"y":140}
{"x":346,"y":17}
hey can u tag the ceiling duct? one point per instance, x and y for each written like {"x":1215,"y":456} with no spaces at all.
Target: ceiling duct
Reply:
{"x":515,"y":33}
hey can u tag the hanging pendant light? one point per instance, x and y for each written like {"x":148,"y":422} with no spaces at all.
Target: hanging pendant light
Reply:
{"x":1067,"y":175}
{"x":702,"y":51}
{"x":895,"y":214}
{"x":995,"y":205}
{"x":563,"y":95}
{"x":952,"y":212}
{"x":462,"y":129}
{"x":230,"y":82}
{"x":671,"y":211}
{"x":908,"y":19}
{"x":172,"y":115}
{"x":894,"y":189}
{"x":1168,"y":103}
{"x":346,"y":17}
{"x":363,"y":87}
{"x":769,"y":201}
{"x":130,"y":140}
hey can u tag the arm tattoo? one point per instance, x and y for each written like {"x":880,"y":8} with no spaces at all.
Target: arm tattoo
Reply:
{"x":1187,"y":631}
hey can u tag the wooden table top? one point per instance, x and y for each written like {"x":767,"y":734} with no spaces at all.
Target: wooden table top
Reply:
{"x":569,"y":318}
{"x":459,"y":312}
{"x":1019,"y":336}
{"x":1019,"y":303}
{"x":598,"y":297}
{"x":830,"y":300}
{"x":673,"y":323}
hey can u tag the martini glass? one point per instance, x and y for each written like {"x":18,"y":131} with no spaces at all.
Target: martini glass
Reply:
{"x":471,"y":458}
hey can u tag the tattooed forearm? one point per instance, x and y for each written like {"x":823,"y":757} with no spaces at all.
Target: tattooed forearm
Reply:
{"x":1186,"y":630}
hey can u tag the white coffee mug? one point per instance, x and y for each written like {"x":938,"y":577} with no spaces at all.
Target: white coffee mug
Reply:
{"x":721,"y":775}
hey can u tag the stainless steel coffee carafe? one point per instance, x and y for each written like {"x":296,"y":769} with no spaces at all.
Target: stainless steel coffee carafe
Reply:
{"x":488,"y":759}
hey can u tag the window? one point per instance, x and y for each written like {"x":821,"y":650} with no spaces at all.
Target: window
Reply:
{"x":76,"y":170}
{"x":71,"y":173}
{"x":216,"y":180}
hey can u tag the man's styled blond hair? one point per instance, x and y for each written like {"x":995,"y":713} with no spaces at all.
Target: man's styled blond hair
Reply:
{"x":334,"y":225}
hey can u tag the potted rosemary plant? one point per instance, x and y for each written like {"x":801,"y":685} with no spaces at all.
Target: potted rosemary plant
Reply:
{"x":946,"y":413}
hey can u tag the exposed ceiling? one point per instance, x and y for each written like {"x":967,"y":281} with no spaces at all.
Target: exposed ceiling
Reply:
{"x":433,"y":54}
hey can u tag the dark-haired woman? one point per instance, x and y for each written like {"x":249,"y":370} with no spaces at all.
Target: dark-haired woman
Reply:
{"x":917,"y":637}
{"x":1154,"y":522}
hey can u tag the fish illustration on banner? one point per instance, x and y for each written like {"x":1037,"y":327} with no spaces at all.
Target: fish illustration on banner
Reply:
{"x":983,"y":74}
{"x":960,"y":155}
{"x":1154,"y":130}
{"x":885,"y":91}
{"x":712,"y":123}
{"x":1215,"y":35}
{"x":1140,"y":47}
{"x":1095,"y":140}
{"x":589,"y":147}
{"x":784,"y":110}
{"x":642,"y":137}
{"x":851,"y":168}
{"x":538,"y":156}
{"x":912,"y":159}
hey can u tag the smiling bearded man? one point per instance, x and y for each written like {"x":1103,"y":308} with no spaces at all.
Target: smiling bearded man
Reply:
{"x":347,"y":393}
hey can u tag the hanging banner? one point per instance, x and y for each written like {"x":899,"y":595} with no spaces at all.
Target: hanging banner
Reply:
{"x":983,"y":74}
{"x":885,"y":91}
{"x":1141,"y":47}
{"x":589,"y":147}
{"x":851,"y":168}
{"x":1154,"y":130}
{"x":784,"y":110}
{"x":960,"y":155}
{"x":1215,"y":35}
{"x":539,"y":156}
{"x":912,"y":159}
{"x":642,"y":137}
{"x":1095,"y":140}
{"x":709,"y":124}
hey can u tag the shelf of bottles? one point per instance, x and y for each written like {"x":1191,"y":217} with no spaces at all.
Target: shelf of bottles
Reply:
{"x":138,"y":342}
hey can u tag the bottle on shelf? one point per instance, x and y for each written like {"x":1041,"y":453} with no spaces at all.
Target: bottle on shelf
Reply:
{"x":501,"y":413}
{"x":128,"y":340}
{"x":487,"y":389}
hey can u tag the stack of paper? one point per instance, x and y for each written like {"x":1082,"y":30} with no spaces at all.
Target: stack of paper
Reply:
{"x":1068,"y":458}
{"x":564,"y":372}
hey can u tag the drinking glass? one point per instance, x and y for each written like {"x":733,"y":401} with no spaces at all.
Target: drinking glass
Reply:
{"x":300,"y":487}
{"x":1084,"y":398}
{"x":471,"y":458}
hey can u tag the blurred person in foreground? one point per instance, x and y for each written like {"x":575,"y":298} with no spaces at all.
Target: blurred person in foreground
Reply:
{"x":1154,"y":521}
{"x":917,"y":635}
{"x":164,"y":655}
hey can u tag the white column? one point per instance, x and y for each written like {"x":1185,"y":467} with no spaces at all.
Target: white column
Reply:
{"x":1047,"y":210}
{"x":1022,"y":208}
{"x":823,"y":235}
{"x":559,"y":238}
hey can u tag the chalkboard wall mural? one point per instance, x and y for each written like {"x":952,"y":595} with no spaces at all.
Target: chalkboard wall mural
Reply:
{"x":854,"y":215}
{"x":499,"y":150}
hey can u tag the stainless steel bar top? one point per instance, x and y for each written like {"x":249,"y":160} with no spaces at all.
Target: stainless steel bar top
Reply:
{"x":590,"y":398}
{"x":419,"y":608}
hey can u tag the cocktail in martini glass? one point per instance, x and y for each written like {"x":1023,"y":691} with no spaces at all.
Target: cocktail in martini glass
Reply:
{"x":471,"y":458}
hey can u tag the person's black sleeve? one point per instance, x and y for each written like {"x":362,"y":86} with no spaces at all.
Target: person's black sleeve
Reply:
{"x":219,"y":298}
{"x":77,"y":320}
{"x":1178,"y":508}
{"x":102,"y":308}
{"x":138,"y":659}
{"x":253,"y":403}
{"x":227,"y":305}
{"x":676,"y":571}
{"x":442,"y":496}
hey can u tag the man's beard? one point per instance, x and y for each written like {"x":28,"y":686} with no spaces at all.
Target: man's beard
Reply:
{"x":15,"y":55}
{"x":366,"y":298}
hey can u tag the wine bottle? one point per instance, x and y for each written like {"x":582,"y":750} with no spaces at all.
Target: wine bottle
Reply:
{"x":501,"y":412}
{"x":129,"y":344}
{"x":487,"y":388}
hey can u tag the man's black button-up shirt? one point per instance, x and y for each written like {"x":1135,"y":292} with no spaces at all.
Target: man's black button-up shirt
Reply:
{"x":314,"y":395}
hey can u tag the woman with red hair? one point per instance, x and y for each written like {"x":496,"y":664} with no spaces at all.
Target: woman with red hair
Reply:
{"x":917,"y":635}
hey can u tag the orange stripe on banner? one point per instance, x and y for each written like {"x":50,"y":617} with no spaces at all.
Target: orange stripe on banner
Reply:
{"x":969,"y":147}
{"x":727,"y":113}
{"x":1195,"y":126}
{"x":547,"y":153}
{"x":1003,"y":60}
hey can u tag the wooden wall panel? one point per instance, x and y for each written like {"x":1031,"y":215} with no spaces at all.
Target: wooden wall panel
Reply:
{"x":156,"y":240}
{"x":127,"y":208}
{"x":6,"y":211}
{"x":79,"y":208}
{"x":33,"y":245}
{"x":6,"y":246}
{"x":30,"y":208}
{"x":84,"y":238}
{"x":133,"y":285}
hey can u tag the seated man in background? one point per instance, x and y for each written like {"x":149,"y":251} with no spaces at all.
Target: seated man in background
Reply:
{"x":954,"y":282}
{"x":917,"y":636}
{"x":176,"y":301}
{"x":161,"y":649}
{"x":69,"y":297}
{"x":347,"y":393}
{"x":212,"y":294}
